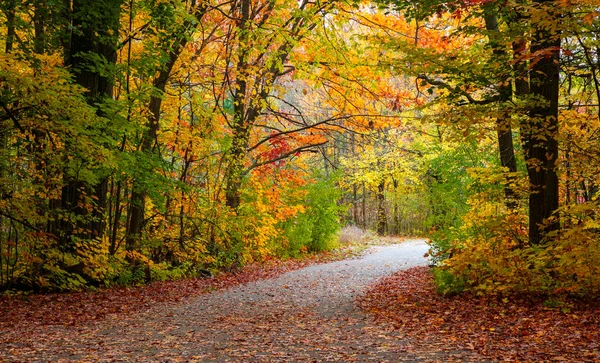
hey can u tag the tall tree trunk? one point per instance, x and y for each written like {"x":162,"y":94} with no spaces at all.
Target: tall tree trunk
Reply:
{"x":381,"y":214}
{"x":97,"y":24}
{"x":9,"y":9}
{"x":250,"y":87}
{"x":148,"y":143}
{"x":503,"y":123}
{"x":39,"y":19}
{"x":241,"y":113}
{"x":355,"y":204}
{"x":354,"y":186}
{"x":396,"y":208}
{"x":521,"y":79}
{"x":11,"y":34}
{"x":139,"y":190}
{"x":174,"y":46}
{"x":235,"y":169}
{"x":540,"y":130}
{"x":364,"y":206}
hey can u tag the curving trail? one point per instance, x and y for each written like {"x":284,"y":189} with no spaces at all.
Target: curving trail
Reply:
{"x":307,"y":315}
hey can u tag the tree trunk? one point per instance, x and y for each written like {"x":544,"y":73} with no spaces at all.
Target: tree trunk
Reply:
{"x":11,"y":34}
{"x":364,"y":206}
{"x":235,"y":169}
{"x":381,"y":214}
{"x":139,"y":191}
{"x":396,"y":216}
{"x":503,"y":124}
{"x":355,"y":204}
{"x":243,"y":116}
{"x":97,"y":24}
{"x":540,"y":130}
{"x":39,"y":19}
{"x":354,"y":186}
{"x":174,"y":45}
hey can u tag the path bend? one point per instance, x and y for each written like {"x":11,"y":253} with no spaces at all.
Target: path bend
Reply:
{"x":307,"y":315}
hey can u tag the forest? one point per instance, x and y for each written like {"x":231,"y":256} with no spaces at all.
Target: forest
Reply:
{"x":150,"y":140}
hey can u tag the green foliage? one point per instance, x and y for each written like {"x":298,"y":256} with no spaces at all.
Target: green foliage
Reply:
{"x":314,"y":230}
{"x":163,"y":271}
{"x":449,"y":186}
{"x":130,"y":277}
{"x":39,"y":242}
{"x":323,"y":213}
{"x":54,"y":278}
{"x":298,"y":232}
{"x":448,"y":181}
{"x":490,"y":251}
{"x":447,"y":283}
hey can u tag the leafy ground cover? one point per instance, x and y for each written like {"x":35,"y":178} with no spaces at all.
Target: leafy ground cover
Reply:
{"x":305,"y":315}
{"x":75,"y":308}
{"x":412,"y":322}
{"x":499,"y":328}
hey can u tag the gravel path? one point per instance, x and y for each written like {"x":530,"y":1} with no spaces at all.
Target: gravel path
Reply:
{"x":306,"y":315}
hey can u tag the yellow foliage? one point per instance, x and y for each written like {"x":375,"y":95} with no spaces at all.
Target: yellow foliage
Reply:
{"x":496,"y":257}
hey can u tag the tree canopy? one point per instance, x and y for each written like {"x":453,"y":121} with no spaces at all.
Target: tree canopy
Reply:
{"x":147,"y":139}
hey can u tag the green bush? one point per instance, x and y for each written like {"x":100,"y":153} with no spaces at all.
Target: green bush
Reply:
{"x":298,"y":232}
{"x":447,"y":283}
{"x":130,"y":277}
{"x":315,"y":229}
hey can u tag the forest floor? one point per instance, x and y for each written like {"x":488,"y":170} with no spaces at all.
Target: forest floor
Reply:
{"x":496,"y":328}
{"x":367,"y":309}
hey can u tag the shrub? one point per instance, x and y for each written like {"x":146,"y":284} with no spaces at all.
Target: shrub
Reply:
{"x":298,"y":233}
{"x":490,"y":252}
{"x":314,"y":229}
{"x":323,"y":212}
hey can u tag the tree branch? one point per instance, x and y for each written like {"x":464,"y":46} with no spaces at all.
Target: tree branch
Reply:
{"x":25,"y":223}
{"x":281,"y":133}
{"x":304,"y":148}
{"x":457,"y":90}
{"x":11,"y":116}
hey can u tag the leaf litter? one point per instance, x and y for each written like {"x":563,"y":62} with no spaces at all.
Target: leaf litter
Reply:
{"x":509,"y":328}
{"x":257,"y":315}
{"x":318,"y":316}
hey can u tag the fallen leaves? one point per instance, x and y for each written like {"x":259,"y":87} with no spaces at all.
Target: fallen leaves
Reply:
{"x":69,"y":309}
{"x":307,"y":316}
{"x":514,"y":328}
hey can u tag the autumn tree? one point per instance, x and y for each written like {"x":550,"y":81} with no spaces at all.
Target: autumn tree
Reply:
{"x":508,"y":70}
{"x":542,"y":177}
{"x":263,"y":36}
{"x":540,"y":131}
{"x":91,"y":56}
{"x":174,"y":24}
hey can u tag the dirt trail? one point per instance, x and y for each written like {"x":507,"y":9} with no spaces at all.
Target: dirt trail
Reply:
{"x":302,"y":316}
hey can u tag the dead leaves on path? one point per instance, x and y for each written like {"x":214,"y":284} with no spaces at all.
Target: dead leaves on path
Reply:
{"x":20,"y":312}
{"x":514,"y":328}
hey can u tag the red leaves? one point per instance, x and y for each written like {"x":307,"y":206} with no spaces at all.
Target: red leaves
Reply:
{"x":515,"y":328}
{"x":468,"y":3}
{"x":279,"y":147}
